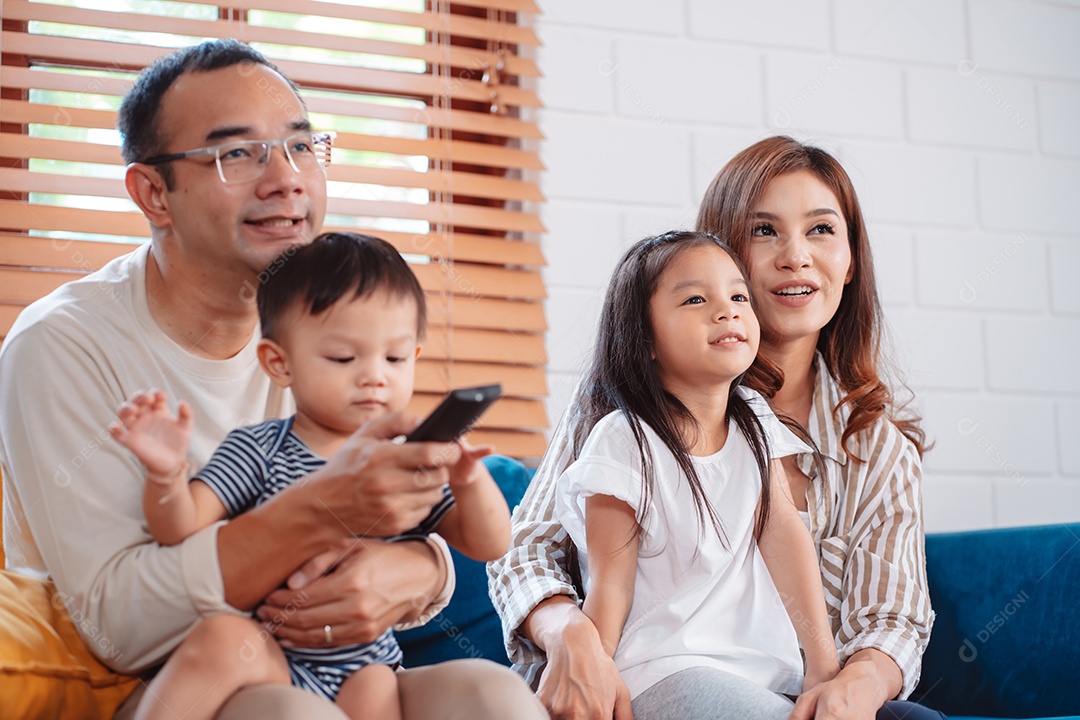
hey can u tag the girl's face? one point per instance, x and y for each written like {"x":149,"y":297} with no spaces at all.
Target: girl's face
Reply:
{"x":705,"y":331}
{"x":798,"y":257}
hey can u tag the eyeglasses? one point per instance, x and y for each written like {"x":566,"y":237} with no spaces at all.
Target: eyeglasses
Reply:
{"x":247,"y":160}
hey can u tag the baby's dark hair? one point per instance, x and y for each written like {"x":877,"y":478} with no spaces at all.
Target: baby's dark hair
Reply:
{"x":333,"y":265}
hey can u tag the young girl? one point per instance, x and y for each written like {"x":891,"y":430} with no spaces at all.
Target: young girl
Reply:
{"x":690,"y":546}
{"x":342,"y":319}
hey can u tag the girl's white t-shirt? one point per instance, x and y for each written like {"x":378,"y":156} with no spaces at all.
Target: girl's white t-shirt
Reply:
{"x":698,"y":601}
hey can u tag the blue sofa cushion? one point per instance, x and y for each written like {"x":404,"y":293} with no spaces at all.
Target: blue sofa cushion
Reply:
{"x":1004,"y":642}
{"x":468,"y":627}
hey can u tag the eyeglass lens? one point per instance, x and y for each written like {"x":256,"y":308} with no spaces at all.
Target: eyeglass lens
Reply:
{"x":247,"y":160}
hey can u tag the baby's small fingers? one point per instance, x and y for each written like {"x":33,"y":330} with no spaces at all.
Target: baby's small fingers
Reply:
{"x":119,"y":433}
{"x":185,"y":415}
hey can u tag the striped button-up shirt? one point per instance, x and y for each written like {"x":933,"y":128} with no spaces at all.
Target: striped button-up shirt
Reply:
{"x":865,"y":519}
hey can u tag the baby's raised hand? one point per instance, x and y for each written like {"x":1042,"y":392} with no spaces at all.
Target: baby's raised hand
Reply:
{"x":468,"y":468}
{"x":145,"y":426}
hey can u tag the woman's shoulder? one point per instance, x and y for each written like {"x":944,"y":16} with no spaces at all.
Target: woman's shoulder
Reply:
{"x":882,"y":439}
{"x":885,"y":464}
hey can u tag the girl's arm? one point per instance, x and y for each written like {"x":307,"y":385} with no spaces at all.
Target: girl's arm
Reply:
{"x":479,"y":524}
{"x":789,"y":553}
{"x":174,"y":508}
{"x":611,"y":535}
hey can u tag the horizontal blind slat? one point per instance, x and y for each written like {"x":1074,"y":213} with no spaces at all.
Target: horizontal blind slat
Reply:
{"x":225,"y":28}
{"x":517,"y":380}
{"x":473,"y":216}
{"x":473,"y":153}
{"x":466,"y":280}
{"x":45,"y":48}
{"x":483,"y":123}
{"x":35,"y":251}
{"x":455,"y":183}
{"x":508,"y":33}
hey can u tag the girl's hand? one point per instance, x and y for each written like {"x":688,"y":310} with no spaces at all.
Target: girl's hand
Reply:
{"x":468,"y":468}
{"x":145,"y":426}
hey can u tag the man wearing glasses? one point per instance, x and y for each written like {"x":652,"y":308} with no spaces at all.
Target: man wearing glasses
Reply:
{"x":229,"y":177}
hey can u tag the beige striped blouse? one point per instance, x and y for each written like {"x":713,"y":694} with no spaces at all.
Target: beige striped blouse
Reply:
{"x":865,"y":518}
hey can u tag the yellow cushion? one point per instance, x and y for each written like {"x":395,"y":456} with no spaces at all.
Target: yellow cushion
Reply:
{"x":46,"y":671}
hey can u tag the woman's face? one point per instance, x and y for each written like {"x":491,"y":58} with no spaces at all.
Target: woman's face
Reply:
{"x":798,"y":258}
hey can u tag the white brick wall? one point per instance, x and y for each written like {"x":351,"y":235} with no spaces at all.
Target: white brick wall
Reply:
{"x":957,"y":121}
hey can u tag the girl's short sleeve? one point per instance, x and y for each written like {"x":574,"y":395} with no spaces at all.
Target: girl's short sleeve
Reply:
{"x":782,"y":442}
{"x":609,"y":464}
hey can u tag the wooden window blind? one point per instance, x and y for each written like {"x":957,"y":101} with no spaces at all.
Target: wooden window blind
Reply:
{"x":435,"y":153}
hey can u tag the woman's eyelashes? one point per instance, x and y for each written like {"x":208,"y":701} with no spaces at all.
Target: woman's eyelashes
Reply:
{"x":763,"y":230}
{"x":767,"y":230}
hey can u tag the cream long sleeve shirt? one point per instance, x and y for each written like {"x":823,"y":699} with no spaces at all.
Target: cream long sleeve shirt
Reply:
{"x":73,"y":496}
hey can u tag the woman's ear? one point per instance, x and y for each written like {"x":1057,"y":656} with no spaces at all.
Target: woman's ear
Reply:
{"x":274,"y":362}
{"x":147,"y":188}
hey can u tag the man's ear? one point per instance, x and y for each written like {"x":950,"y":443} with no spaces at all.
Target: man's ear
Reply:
{"x":274,"y":363}
{"x":147,"y":188}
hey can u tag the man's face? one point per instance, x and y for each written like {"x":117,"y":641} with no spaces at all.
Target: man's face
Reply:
{"x":237,"y":227}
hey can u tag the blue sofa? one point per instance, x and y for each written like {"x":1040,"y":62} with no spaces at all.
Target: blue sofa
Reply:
{"x":1006,"y":642}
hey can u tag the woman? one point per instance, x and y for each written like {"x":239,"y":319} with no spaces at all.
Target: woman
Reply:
{"x":791,"y":213}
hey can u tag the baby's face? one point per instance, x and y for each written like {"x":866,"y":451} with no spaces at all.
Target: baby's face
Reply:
{"x":354,"y":362}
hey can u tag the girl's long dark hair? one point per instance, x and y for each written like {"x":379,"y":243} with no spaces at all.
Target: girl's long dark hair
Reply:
{"x":622,"y":376}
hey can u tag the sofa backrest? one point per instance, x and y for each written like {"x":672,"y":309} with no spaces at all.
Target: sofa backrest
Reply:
{"x":1006,"y":641}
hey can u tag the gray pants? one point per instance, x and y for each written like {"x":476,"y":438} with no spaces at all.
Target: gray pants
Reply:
{"x":709,"y":694}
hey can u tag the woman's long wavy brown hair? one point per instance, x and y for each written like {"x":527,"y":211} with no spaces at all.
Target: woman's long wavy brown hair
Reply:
{"x":851,"y":341}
